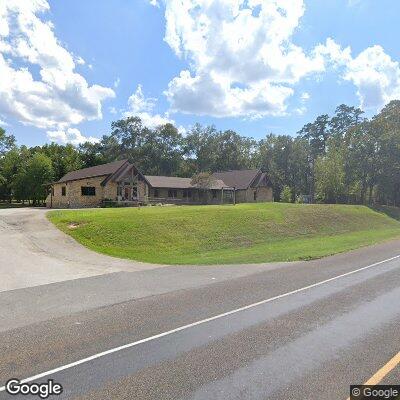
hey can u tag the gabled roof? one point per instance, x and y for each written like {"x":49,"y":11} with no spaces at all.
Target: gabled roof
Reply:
{"x":91,"y":172}
{"x":259,"y":179}
{"x":178,"y":183}
{"x":120,"y":173}
{"x":239,"y":179}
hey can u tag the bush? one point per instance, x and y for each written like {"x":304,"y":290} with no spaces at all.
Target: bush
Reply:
{"x":286,"y":195}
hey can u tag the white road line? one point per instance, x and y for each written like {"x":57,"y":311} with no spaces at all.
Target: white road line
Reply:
{"x":203,"y":321}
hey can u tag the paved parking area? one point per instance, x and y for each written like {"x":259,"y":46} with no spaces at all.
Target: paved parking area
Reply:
{"x":33,"y":252}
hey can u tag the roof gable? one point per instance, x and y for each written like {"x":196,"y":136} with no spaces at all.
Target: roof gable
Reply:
{"x":98,"y":170}
{"x":261,"y":180}
{"x":239,"y":179}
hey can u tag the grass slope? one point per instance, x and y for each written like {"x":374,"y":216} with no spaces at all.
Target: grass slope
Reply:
{"x":246,"y":233}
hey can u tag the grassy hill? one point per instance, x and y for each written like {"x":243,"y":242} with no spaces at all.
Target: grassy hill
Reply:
{"x":245,"y":233}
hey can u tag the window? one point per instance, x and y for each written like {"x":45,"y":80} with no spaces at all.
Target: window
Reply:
{"x":172,"y":193}
{"x":255,"y":195}
{"x":88,"y":191}
{"x":156,"y":193}
{"x":187,"y":194}
{"x":63,"y":191}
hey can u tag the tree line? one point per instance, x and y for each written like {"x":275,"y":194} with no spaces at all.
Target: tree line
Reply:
{"x":343,"y":158}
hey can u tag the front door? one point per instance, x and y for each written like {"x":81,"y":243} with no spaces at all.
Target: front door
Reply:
{"x":127,"y":197}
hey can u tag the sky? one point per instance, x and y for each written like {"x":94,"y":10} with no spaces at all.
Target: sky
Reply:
{"x":69,"y":68}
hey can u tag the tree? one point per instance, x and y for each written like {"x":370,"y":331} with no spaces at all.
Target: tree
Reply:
{"x":330,"y":177}
{"x":32,"y":180}
{"x":213,"y":150}
{"x":204,"y":181}
{"x":155,"y":151}
{"x":7,"y":142}
{"x":362,"y":164}
{"x":286,"y":195}
{"x":64,"y":158}
{"x":232,"y":151}
{"x":273,"y":157}
{"x":200,"y":147}
{"x":385,"y":178}
{"x":317,"y":134}
{"x":11,"y":164}
{"x":161,"y":151}
{"x":284,"y":159}
{"x":345,"y":118}
{"x":92,"y":154}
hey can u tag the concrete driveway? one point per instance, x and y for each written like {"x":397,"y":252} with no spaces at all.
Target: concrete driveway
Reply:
{"x":33,"y":252}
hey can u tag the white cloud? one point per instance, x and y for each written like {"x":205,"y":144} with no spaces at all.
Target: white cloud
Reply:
{"x":3,"y":123}
{"x":138,"y":103}
{"x":117,"y":82}
{"x":80,"y":60}
{"x":243,"y":61}
{"x":60,"y":97}
{"x":154,"y":3}
{"x":373,"y":72}
{"x":376,"y":76}
{"x":70,"y":135}
{"x":242,"y":58}
{"x":305,"y":96}
{"x":302,"y":109}
{"x":142,"y":107}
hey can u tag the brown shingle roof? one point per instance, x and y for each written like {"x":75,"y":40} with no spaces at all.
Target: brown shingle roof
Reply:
{"x":98,"y":170}
{"x":240,"y":179}
{"x":169,"y":182}
{"x":178,"y":183}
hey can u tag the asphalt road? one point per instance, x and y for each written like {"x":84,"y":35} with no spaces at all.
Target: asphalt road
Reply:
{"x":317,"y":328}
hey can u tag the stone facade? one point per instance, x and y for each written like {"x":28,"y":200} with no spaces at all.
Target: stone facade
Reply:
{"x":254,"y":195}
{"x":72,"y":196}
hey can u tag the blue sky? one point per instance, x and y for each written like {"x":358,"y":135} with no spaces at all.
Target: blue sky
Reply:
{"x":69,"y":68}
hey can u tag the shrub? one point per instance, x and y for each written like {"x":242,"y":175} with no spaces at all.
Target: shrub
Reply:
{"x":286,"y":195}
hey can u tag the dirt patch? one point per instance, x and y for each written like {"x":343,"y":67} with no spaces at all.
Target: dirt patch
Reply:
{"x":74,"y":225}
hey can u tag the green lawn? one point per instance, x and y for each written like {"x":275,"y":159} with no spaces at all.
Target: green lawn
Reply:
{"x":245,"y":233}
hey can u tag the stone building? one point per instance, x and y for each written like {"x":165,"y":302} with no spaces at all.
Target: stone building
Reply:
{"x":120,"y":182}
